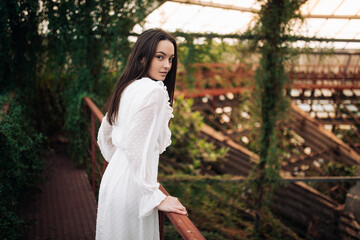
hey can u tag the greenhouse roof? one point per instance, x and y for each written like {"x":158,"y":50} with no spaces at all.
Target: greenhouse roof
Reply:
{"x":330,"y":19}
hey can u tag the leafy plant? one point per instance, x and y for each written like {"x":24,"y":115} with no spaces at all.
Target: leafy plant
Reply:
{"x":338,"y":190}
{"x":218,"y":208}
{"x":20,"y":163}
{"x":194,"y":153}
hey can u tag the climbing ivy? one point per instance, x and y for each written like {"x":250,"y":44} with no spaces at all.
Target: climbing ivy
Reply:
{"x":273,"y":24}
{"x":86,"y":40}
{"x":54,"y":53}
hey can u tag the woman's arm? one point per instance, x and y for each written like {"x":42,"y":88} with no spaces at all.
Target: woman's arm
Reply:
{"x":104,"y":139}
{"x":143,"y":156}
{"x":141,"y":142}
{"x":172,"y":204}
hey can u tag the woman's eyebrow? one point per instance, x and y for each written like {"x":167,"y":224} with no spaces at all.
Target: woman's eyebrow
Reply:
{"x":165,"y":53}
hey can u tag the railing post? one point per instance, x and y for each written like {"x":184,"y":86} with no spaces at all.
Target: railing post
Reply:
{"x":161,"y":225}
{"x":93,"y":151}
{"x":85,"y":117}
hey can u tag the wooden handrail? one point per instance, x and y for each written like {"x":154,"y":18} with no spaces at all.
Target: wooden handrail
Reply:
{"x":94,"y":109}
{"x":182,"y":223}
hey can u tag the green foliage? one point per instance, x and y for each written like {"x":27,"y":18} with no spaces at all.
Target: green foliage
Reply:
{"x":272,"y":26}
{"x":224,"y":206}
{"x":85,"y":40}
{"x":60,"y":51}
{"x":47,"y":104}
{"x":20,"y":164}
{"x":194,"y":153}
{"x":19,"y":43}
{"x":209,"y":51}
{"x":194,"y":50}
{"x":349,"y":136}
{"x":338,"y":190}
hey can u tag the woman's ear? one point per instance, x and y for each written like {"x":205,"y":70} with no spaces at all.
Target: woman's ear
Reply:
{"x":143,"y":61}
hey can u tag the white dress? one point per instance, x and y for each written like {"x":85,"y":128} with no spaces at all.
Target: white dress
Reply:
{"x":129,"y":191}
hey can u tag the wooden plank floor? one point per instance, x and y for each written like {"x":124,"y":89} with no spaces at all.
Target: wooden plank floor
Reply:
{"x":66,"y":207}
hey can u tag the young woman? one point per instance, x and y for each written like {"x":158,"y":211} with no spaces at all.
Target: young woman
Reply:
{"x":132,"y":135}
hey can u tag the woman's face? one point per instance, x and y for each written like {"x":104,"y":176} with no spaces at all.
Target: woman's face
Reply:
{"x":161,"y":63}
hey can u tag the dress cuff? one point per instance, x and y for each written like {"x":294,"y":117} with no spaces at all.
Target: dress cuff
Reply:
{"x":150,"y":201}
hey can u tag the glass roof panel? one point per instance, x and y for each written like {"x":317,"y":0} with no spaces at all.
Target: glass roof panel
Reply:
{"x":172,"y":16}
{"x":327,"y":7}
{"x":350,"y":30}
{"x":352,"y":45}
{"x":308,"y":6}
{"x":311,"y":27}
{"x":349,"y":7}
{"x":331,"y":27}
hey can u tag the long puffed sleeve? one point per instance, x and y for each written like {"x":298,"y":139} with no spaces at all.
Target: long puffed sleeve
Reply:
{"x":141,"y":149}
{"x":104,"y":140}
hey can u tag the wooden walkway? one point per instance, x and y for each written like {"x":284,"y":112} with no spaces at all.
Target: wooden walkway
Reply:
{"x":66,"y":207}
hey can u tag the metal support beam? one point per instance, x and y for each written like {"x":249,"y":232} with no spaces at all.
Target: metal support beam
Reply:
{"x":215,"y":5}
{"x":322,"y":179}
{"x":252,"y":37}
{"x":252,"y":10}
{"x":332,"y":16}
{"x":285,"y":179}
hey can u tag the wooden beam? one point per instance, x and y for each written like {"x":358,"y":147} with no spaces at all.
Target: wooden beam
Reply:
{"x":312,"y":131}
{"x":294,"y":200}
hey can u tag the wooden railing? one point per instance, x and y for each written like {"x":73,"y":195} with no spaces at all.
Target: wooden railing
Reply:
{"x":218,"y":78}
{"x":182,"y":223}
{"x":212,"y":79}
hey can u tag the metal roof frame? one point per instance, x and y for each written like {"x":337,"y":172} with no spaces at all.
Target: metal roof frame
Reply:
{"x":252,"y":10}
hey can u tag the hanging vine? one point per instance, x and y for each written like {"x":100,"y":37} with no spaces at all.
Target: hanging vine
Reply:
{"x":92,"y":38}
{"x":269,"y":94}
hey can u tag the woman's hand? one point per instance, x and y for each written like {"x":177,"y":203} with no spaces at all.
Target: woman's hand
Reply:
{"x":172,"y":204}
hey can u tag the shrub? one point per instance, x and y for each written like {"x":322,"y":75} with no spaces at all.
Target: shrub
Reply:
{"x":20,"y":166}
{"x":193,"y":152}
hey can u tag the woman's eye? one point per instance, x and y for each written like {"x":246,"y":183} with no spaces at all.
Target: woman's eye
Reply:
{"x":171,"y":60}
{"x":160,"y":57}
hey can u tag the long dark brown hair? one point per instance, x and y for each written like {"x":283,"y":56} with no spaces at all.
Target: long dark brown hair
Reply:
{"x":138,"y":66}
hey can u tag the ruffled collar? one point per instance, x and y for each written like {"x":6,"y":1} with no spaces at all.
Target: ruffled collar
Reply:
{"x":161,"y":83}
{"x":166,"y":139}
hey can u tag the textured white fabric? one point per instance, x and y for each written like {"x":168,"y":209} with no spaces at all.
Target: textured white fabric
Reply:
{"x":129,"y":192}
